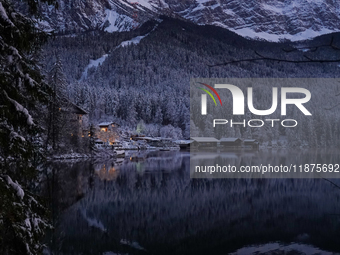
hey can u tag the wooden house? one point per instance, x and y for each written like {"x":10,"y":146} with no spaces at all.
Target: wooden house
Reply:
{"x":99,"y":143}
{"x":204,"y":142}
{"x":73,"y":118}
{"x":230,"y":142}
{"x":184,"y":144}
{"x":78,"y":111}
{"x":137,"y":137}
{"x":251,"y":143}
{"x":74,"y":112}
{"x":106,"y":126}
{"x":152,"y":141}
{"x":107,"y":131}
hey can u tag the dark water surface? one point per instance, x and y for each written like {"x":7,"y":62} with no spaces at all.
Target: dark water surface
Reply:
{"x":147,"y":204}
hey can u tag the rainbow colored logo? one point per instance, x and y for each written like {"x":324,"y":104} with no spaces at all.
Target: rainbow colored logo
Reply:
{"x":209,"y":93}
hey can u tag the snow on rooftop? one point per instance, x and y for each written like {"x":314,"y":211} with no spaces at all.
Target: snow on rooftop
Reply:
{"x":108,"y":123}
{"x":229,"y":139}
{"x":183,"y":141}
{"x":204,"y":139}
{"x":249,"y":140}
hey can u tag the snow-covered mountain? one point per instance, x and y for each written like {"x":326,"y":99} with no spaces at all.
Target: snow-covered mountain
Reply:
{"x":263,"y":19}
{"x":82,"y":15}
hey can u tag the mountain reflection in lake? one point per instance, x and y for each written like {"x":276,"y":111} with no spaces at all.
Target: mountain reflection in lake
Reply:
{"x":147,"y":204}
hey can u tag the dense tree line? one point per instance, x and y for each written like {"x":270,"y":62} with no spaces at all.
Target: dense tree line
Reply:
{"x":150,"y":81}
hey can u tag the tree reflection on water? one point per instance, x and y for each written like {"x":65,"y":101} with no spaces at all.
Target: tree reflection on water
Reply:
{"x":152,"y":206}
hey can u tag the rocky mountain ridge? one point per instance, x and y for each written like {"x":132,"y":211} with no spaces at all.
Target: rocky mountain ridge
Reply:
{"x":262,"y":19}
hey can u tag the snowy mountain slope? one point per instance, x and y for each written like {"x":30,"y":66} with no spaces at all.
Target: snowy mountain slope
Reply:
{"x":109,"y":15}
{"x":262,"y":19}
{"x":270,"y":20}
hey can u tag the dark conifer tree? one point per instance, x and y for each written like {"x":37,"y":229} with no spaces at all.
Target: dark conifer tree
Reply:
{"x":23,"y":95}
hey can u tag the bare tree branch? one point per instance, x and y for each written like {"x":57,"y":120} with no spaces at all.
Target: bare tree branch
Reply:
{"x":312,"y":48}
{"x":332,"y":107}
{"x":278,"y":60}
{"x":307,"y":58}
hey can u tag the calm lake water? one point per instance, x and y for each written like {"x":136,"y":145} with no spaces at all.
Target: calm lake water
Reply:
{"x":147,"y":204}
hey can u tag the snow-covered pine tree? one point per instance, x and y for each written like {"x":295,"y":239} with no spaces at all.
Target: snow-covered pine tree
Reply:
{"x":22,"y":95}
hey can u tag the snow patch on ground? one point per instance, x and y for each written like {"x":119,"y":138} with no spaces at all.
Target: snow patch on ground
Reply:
{"x":305,"y":35}
{"x":92,"y":222}
{"x":134,"y":40}
{"x":117,"y":22}
{"x":93,"y":63}
{"x":144,"y":3}
{"x":276,"y":247}
{"x":202,"y":1}
{"x":199,"y":7}
{"x":132,"y":244}
{"x":100,"y":61}
{"x":272,"y":8}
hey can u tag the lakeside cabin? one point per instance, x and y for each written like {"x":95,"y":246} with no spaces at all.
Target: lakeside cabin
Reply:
{"x":152,"y":141}
{"x":230,"y":142}
{"x":74,"y":111}
{"x":74,"y":114}
{"x":99,"y":143}
{"x":184,"y":144}
{"x":207,"y":142}
{"x":251,"y":143}
{"x":105,"y":126}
